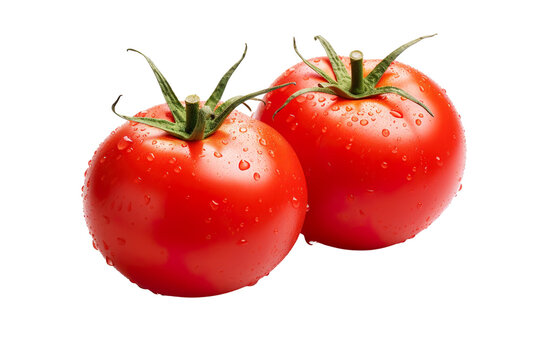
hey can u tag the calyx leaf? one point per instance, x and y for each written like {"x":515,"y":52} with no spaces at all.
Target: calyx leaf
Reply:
{"x":193,"y":122}
{"x":354,"y":86}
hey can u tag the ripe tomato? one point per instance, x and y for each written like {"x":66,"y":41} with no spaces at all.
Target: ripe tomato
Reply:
{"x":194,"y":218}
{"x":380,"y":168}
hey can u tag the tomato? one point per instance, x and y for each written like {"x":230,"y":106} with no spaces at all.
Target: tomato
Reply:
{"x":379,"y":168}
{"x":194,"y":218}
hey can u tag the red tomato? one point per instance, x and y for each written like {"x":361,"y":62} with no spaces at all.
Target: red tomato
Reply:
{"x":194,"y":218}
{"x":379,"y":169}
{"x":204,"y":201}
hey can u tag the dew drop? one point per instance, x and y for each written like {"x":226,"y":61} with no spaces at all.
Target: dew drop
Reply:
{"x":409,"y":177}
{"x":109,"y":261}
{"x":177,"y":169}
{"x":354,"y":118}
{"x":300,"y":99}
{"x":94,"y":244}
{"x":324,"y":129}
{"x":214,"y":205}
{"x":310,"y":96}
{"x":154,"y":142}
{"x":295,"y":202}
{"x":243,"y":165}
{"x":422,"y":88}
{"x":364,"y":122}
{"x":384,"y":165}
{"x":150,"y":157}
{"x":385,"y":132}
{"x":321,"y":99}
{"x":147,"y":199}
{"x":348,"y":108}
{"x":217,"y":154}
{"x":256,"y":176}
{"x":335,"y":108}
{"x":242,"y":242}
{"x":262,"y":142}
{"x":404,"y":158}
{"x":418,"y":122}
{"x":396,"y":114}
{"x":172,"y":160}
{"x":243,"y":129}
{"x":123,"y":143}
{"x":460,"y":187}
{"x":419,"y":205}
{"x":348,"y":146}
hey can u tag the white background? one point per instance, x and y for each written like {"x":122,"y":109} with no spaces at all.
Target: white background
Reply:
{"x":466,"y":288}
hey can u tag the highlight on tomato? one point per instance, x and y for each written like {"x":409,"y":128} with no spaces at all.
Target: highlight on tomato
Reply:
{"x":194,"y":199}
{"x":381,"y":145}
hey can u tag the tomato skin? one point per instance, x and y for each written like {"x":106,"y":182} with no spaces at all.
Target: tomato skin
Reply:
{"x":194,"y":218}
{"x":379,"y":170}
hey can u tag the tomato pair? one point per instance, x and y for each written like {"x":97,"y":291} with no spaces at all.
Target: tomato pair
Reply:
{"x":191,"y":199}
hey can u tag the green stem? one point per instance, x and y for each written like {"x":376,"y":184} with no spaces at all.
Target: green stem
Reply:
{"x":192,"y":112}
{"x":357,"y":72}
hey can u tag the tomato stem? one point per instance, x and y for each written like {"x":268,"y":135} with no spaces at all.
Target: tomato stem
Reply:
{"x":192,"y":112}
{"x":357,"y":72}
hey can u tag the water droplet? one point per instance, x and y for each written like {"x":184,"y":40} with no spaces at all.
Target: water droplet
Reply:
{"x":324,"y":129}
{"x":172,"y":160}
{"x":396,"y":114}
{"x":348,"y":146}
{"x":177,"y":169}
{"x":420,"y":115}
{"x":418,"y":122}
{"x":150,"y":157}
{"x":214,"y":205}
{"x":422,"y":88}
{"x":94,"y":244}
{"x":385,"y":132}
{"x":245,"y":149}
{"x":409,"y":177}
{"x":354,"y":118}
{"x":243,"y":165}
{"x":300,"y":99}
{"x":262,"y":142}
{"x":154,"y":142}
{"x":384,"y":165}
{"x":321,"y":99}
{"x":217,"y":154}
{"x":208,"y":237}
{"x":295,"y":202}
{"x":271,"y":153}
{"x":310,"y":242}
{"x":348,"y":108}
{"x":439,"y":161}
{"x":335,"y":108}
{"x":147,"y":199}
{"x":404,"y":158}
{"x":256,"y":176}
{"x":109,"y":261}
{"x":460,"y":187}
{"x":364,"y":122}
{"x":242,"y":242}
{"x":224,"y":142}
{"x":123,"y":143}
{"x":243,"y":129}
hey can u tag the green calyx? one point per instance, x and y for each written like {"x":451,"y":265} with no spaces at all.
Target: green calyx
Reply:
{"x":194,"y":122}
{"x":355,"y":85}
